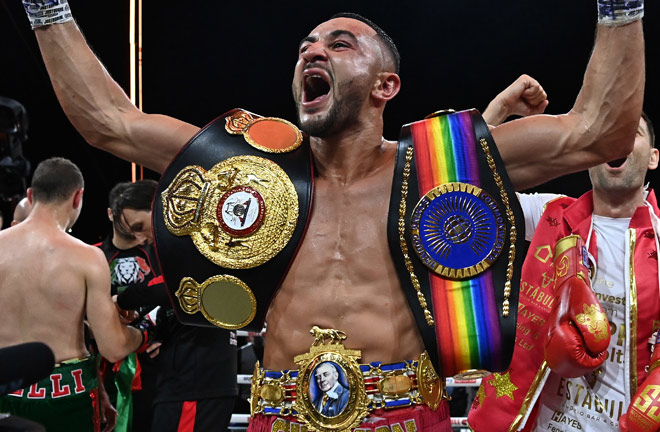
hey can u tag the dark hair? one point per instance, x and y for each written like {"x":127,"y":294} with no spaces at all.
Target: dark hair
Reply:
{"x":55,"y":180}
{"x":382,"y":36}
{"x":136,"y":196}
{"x":649,"y":125}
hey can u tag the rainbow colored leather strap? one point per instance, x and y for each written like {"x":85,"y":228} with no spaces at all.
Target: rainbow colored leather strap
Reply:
{"x":460,"y":228}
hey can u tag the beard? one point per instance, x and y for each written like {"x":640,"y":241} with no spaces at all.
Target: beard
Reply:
{"x":632,"y":178}
{"x":344,"y":111}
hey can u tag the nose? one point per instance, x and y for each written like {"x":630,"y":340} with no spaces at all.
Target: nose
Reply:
{"x":315,"y":52}
{"x":142,"y":238}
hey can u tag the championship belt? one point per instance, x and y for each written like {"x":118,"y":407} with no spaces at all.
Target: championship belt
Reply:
{"x":456,"y":233}
{"x":333,"y":392}
{"x":228,"y":216}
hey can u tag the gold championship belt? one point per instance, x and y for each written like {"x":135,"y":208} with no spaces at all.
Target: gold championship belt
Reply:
{"x":232,"y":208}
{"x":239,"y":214}
{"x":331,"y":391}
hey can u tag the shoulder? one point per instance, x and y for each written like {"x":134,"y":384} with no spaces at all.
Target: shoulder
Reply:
{"x":87,"y":255}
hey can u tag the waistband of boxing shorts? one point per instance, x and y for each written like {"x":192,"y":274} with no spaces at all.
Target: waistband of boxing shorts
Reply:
{"x":68,"y":378}
{"x":387,"y":385}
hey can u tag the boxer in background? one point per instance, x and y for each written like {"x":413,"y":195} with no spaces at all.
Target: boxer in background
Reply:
{"x":49,"y":281}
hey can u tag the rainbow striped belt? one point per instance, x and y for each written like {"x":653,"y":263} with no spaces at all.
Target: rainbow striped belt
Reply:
{"x":458,"y":213}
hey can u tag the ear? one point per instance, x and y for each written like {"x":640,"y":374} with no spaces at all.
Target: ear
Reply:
{"x":110,"y":215}
{"x":653,"y":160}
{"x":386,"y":86}
{"x":77,"y":198}
{"x":29,"y":195}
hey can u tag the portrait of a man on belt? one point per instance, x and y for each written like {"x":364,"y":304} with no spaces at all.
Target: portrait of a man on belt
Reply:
{"x":332,"y":395}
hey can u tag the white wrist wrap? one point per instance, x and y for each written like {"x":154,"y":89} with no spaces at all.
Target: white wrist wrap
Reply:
{"x":45,"y":12}
{"x":614,"y":13}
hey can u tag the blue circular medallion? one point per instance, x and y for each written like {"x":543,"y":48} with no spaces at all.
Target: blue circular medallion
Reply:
{"x":457,"y":230}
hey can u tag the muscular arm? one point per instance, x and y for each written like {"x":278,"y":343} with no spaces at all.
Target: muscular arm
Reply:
{"x":601,"y":125}
{"x":98,"y":107}
{"x":113,"y":339}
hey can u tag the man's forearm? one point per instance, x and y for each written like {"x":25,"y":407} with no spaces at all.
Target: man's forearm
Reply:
{"x":91,"y":99}
{"x":610,"y":102}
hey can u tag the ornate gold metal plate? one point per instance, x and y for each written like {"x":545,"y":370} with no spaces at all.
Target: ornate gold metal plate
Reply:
{"x":472,"y":374}
{"x":239,"y":214}
{"x":268,"y":134}
{"x":257,"y":376}
{"x":330,"y":386}
{"x":224,"y":300}
{"x":430,"y":385}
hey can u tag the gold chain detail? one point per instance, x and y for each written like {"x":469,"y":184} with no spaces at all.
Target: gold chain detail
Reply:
{"x":513,"y":235}
{"x":402,"y":238}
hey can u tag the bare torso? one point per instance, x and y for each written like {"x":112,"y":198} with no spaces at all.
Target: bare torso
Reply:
{"x":343,"y":278}
{"x":42,"y":289}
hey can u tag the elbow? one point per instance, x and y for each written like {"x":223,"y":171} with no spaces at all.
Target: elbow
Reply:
{"x":609,"y":136}
{"x":112,"y":356}
{"x":620,"y":141}
{"x":114,"y":352}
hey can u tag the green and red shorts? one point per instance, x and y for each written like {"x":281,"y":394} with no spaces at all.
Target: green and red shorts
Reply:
{"x":66,"y":401}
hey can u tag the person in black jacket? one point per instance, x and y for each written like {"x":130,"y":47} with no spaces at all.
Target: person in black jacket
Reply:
{"x":131,"y":384}
{"x":195,"y":386}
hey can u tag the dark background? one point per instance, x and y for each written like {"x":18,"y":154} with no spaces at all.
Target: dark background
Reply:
{"x":202,"y":58}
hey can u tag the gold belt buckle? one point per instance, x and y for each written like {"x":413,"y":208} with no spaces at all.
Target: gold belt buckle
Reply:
{"x":330,"y":386}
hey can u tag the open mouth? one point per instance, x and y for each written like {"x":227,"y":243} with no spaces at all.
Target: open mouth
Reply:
{"x":315,"y":86}
{"x":616,"y":163}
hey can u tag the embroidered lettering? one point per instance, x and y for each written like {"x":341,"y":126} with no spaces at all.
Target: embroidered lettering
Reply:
{"x":36,"y":393}
{"x":57,"y":391}
{"x":297,"y":427}
{"x":562,"y":382}
{"x":577,"y":394}
{"x":647,"y":397}
{"x":279,"y":425}
{"x":17,"y":393}
{"x":622,"y":334}
{"x":77,"y":379}
{"x":396,"y":427}
{"x":382,"y":429}
{"x":410,"y":425}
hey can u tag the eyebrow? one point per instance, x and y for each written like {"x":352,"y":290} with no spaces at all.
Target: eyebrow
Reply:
{"x":333,"y":35}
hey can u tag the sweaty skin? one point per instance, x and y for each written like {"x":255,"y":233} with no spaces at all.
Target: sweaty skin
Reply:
{"x":343,"y":276}
{"x":49,"y":280}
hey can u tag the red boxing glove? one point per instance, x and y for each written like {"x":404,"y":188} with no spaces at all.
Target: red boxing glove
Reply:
{"x":578,"y":329}
{"x":644,"y":411}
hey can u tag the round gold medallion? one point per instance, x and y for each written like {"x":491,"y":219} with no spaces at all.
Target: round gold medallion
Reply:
{"x":224,"y":300}
{"x":239,"y":214}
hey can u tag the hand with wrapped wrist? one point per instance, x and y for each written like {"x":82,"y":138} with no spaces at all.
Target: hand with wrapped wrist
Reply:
{"x":148,"y":329}
{"x":46,"y":12}
{"x":578,"y":329}
{"x":614,"y":13}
